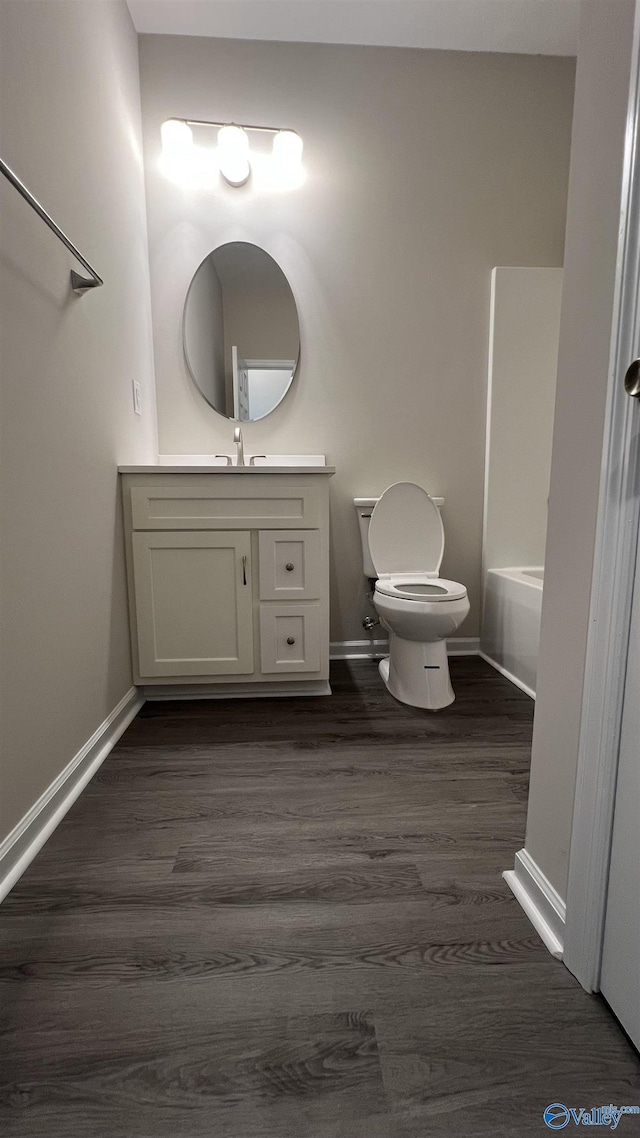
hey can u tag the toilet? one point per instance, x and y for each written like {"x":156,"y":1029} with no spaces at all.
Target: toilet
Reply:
{"x":403,"y":543}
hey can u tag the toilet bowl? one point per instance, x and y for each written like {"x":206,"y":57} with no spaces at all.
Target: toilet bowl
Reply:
{"x":419,"y":609}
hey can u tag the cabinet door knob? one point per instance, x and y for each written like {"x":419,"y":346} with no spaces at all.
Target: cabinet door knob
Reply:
{"x":289,"y":566}
{"x":291,"y":639}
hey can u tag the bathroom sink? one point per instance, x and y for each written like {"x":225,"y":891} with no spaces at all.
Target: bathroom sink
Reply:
{"x":191,"y":460}
{"x":261,"y":460}
{"x":209,"y":463}
{"x":289,"y":460}
{"x":194,"y":460}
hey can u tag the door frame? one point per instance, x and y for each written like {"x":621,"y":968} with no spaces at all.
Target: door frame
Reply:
{"x":612,"y":589}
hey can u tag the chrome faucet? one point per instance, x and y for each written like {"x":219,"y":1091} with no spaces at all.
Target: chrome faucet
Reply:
{"x":237,"y":438}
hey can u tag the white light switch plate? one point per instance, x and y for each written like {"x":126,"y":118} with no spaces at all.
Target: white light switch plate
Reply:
{"x":137,"y":397}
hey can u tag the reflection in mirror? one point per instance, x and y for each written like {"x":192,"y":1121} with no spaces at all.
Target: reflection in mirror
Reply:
{"x":241,"y":332}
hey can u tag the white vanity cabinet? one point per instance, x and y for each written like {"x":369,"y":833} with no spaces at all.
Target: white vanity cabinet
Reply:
{"x":228,"y":578}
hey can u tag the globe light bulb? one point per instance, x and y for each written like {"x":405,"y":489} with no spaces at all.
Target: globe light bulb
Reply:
{"x":287,"y":159}
{"x":287,"y":147}
{"x":177,"y":138}
{"x":233,"y":155}
{"x":177,"y":150}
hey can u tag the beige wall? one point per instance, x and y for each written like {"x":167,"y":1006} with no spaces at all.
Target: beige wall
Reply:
{"x":592,"y":231}
{"x":70,"y":127}
{"x":262,"y":324}
{"x":424,"y":170}
{"x":523,"y":360}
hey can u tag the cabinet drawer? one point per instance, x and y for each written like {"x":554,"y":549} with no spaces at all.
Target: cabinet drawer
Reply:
{"x":247,"y":502}
{"x":289,"y":565}
{"x":290,"y":638}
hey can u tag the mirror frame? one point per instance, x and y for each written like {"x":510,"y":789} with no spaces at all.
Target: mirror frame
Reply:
{"x":229,"y":418}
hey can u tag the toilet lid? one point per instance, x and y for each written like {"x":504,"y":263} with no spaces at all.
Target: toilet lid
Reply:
{"x":406,"y":532}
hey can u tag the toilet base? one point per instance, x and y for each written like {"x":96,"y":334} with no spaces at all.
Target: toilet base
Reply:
{"x":417,"y":673}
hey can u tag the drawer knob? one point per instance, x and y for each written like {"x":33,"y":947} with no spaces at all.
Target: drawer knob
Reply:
{"x":291,"y":639}
{"x":289,"y":566}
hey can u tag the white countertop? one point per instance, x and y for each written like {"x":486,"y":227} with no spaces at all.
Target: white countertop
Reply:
{"x":190,"y":468}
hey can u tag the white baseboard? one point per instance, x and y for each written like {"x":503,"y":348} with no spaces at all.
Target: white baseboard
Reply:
{"x":358,"y":649}
{"x":463,"y":646}
{"x":377,"y":649}
{"x":19,"y":848}
{"x":507,"y":675}
{"x":543,"y":905}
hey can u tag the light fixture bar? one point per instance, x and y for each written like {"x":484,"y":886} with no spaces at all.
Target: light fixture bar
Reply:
{"x":244,"y":126}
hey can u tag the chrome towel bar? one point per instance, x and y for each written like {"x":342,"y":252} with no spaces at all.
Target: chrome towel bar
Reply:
{"x":79,"y":284}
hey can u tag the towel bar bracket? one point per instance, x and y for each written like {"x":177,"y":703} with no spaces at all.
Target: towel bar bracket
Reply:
{"x":82,"y":284}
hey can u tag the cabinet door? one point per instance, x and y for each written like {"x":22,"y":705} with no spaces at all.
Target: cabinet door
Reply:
{"x":193,"y":602}
{"x":290,"y":638}
{"x":290,"y":567}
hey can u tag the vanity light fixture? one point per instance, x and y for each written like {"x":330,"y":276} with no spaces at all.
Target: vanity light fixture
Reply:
{"x":184,"y":162}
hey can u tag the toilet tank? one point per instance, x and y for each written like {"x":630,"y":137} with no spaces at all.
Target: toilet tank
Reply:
{"x":364,"y":509}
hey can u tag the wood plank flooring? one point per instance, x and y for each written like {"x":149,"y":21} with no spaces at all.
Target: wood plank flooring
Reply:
{"x":285,"y":919}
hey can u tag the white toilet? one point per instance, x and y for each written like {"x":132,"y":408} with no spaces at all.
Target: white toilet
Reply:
{"x":403,"y":543}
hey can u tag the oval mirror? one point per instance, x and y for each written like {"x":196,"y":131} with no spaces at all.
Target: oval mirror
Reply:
{"x":241,"y":332}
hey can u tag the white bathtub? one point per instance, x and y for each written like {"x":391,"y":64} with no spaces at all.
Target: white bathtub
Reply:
{"x":510,"y":635}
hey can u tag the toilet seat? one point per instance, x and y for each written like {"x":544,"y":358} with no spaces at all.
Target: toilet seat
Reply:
{"x":428,"y":588}
{"x":406,"y":535}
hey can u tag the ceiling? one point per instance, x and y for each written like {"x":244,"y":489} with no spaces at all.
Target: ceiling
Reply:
{"x":533,"y":27}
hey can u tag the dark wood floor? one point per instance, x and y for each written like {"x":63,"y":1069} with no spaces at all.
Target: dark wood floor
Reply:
{"x":285,"y":919}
